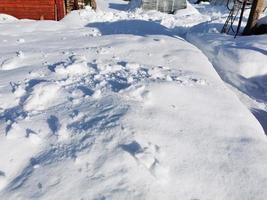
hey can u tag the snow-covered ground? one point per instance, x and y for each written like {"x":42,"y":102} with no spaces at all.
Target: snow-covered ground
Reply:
{"x":115,"y":105}
{"x":241,"y":62}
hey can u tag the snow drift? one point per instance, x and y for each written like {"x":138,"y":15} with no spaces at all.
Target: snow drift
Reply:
{"x":103,"y":110}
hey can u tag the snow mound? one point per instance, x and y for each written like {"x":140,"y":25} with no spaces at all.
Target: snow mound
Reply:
{"x":77,"y":66}
{"x":12,"y":62}
{"x":43,"y":96}
{"x":121,"y":107}
{"x":7,"y":18}
{"x":239,"y":61}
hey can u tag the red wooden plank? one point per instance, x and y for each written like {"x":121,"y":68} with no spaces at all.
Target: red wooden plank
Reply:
{"x":34,"y":9}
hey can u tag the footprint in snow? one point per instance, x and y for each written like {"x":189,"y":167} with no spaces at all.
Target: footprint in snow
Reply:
{"x":33,"y":136}
{"x":146,"y":156}
{"x":54,"y":124}
{"x":12,"y":62}
{"x":20,"y":40}
{"x":43,"y":96}
{"x":139,"y":93}
{"x":14,"y":131}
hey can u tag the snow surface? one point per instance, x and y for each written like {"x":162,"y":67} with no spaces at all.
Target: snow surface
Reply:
{"x":6,"y":18}
{"x":114,"y":104}
{"x":241,"y":62}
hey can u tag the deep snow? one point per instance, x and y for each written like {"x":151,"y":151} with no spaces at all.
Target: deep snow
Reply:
{"x":115,"y":105}
{"x":241,"y":62}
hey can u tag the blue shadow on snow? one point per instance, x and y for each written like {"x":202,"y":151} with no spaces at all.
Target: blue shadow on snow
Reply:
{"x":132,"y":27}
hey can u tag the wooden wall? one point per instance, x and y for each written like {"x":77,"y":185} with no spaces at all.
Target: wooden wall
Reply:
{"x":34,"y":9}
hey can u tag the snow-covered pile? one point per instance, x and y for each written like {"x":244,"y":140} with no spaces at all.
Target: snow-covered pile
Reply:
{"x":6,"y":18}
{"x":180,"y":22}
{"x":240,"y":61}
{"x":118,"y":106}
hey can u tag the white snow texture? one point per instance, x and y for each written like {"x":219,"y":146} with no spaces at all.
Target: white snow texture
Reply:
{"x":119,"y":104}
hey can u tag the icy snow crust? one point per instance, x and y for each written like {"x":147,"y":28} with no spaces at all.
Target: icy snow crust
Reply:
{"x":119,"y":107}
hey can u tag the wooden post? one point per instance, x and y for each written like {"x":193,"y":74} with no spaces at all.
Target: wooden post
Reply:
{"x":257,"y":7}
{"x":76,"y":5}
{"x":93,"y":4}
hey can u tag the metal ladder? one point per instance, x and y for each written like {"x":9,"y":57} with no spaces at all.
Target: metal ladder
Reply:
{"x":232,"y":16}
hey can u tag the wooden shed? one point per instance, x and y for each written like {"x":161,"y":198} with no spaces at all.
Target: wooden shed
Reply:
{"x":38,"y":9}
